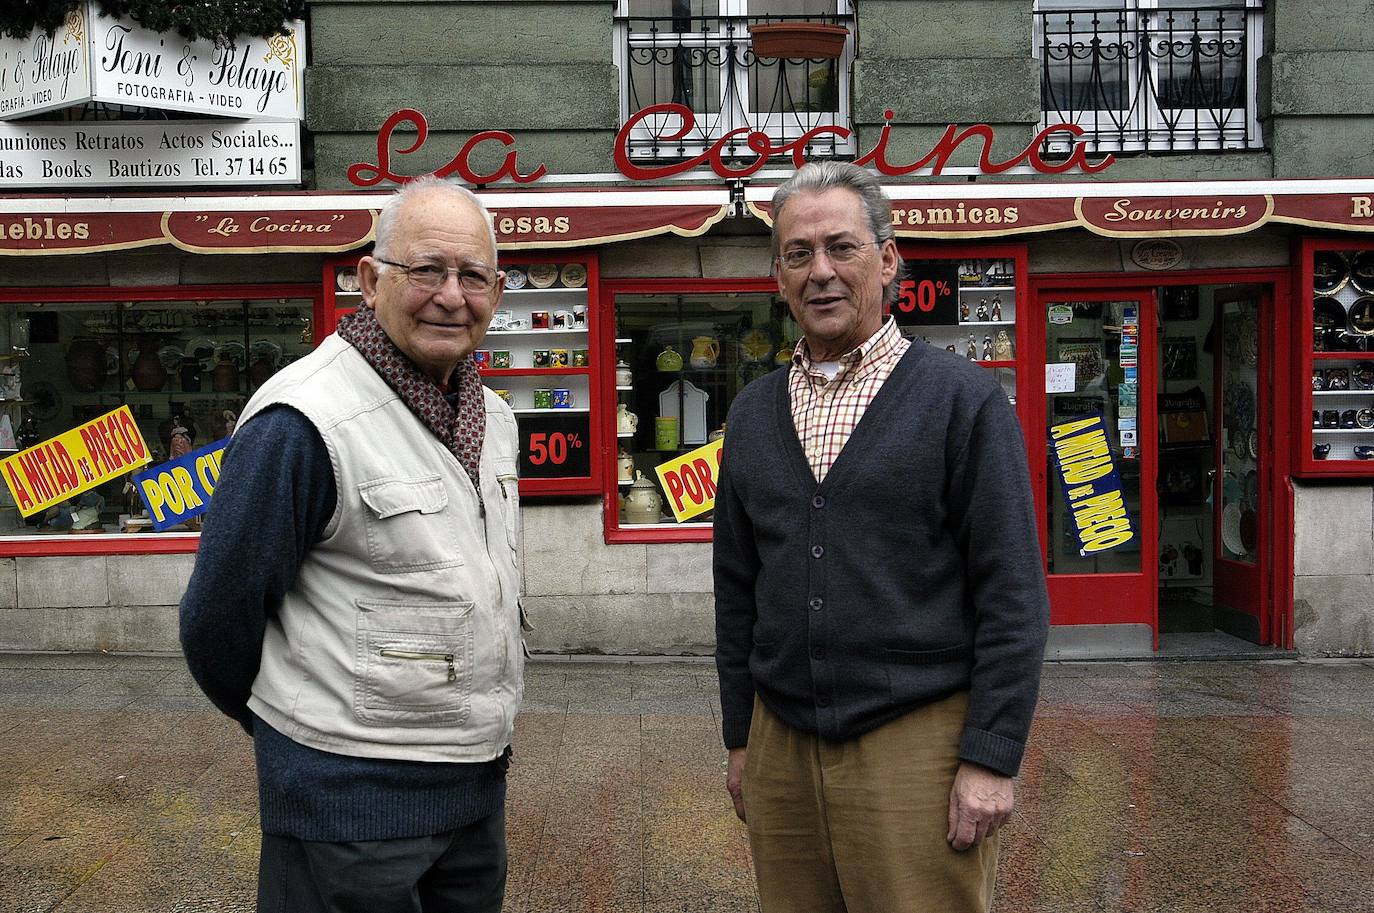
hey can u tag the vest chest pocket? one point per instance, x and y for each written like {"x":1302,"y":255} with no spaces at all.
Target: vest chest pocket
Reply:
{"x":408,"y":526}
{"x":414,"y":663}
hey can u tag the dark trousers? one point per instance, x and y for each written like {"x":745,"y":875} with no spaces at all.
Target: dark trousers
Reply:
{"x":460,"y":871}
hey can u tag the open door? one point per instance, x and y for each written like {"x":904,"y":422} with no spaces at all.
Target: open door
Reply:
{"x":1242,"y":491}
{"x":1100,"y":349}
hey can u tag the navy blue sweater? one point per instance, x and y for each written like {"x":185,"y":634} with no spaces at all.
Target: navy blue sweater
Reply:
{"x":274,"y":497}
{"x":912,"y":572}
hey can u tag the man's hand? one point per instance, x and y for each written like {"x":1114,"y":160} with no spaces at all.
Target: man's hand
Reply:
{"x":734,"y":779}
{"x":980,"y":802}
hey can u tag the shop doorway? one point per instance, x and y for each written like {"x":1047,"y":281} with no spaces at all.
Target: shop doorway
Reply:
{"x":1158,"y":413}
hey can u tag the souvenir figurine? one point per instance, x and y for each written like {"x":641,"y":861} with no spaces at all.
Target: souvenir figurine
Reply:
{"x":951,"y":348}
{"x":987,"y":348}
{"x":971,"y":350}
{"x":963,"y":311}
{"x":982,"y":313}
{"x":1001,"y":346}
{"x":180,"y":443}
{"x":997,"y":307}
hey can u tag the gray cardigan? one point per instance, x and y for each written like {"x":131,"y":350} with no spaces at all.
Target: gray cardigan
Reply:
{"x":912,"y":572}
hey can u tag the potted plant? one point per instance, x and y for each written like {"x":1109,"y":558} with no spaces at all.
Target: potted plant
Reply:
{"x":798,"y":40}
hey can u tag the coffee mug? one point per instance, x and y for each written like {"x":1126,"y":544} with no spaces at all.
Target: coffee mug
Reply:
{"x":558,"y":358}
{"x":562,"y":398}
{"x":505,"y":395}
{"x":1348,"y":419}
{"x":519,"y":323}
{"x":562,"y":320}
{"x":539,"y":320}
{"x":541,"y":358}
{"x":1364,"y":452}
{"x":501,"y":319}
{"x":1331,"y":418}
{"x":1320,"y":451}
{"x":543,"y":398}
{"x":501,"y":358}
{"x":579,"y":315}
{"x":579,"y":358}
{"x":482,"y":357}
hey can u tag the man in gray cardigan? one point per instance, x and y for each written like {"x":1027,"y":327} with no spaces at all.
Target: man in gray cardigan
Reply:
{"x":881,"y":610}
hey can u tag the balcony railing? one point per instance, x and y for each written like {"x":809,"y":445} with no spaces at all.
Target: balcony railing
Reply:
{"x":1140,"y":79}
{"x":707,"y":64}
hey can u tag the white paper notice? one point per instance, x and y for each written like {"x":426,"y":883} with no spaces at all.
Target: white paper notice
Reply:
{"x":1059,"y":378}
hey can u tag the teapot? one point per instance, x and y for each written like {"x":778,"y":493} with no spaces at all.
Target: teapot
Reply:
{"x":643,"y":503}
{"x":705,"y":351}
{"x":668,"y":360}
{"x":626,"y":422}
{"x":624,"y":377}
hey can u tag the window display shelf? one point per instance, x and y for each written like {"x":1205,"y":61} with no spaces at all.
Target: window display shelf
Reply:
{"x":1334,"y":291}
{"x":969,"y":289}
{"x":568,"y":294}
{"x":529,"y":372}
{"x":558,"y":410}
{"x":580,"y":331}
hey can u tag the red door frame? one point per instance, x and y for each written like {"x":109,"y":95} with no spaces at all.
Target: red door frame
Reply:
{"x":1078,"y":598}
{"x":124,"y":543}
{"x":1277,"y":444}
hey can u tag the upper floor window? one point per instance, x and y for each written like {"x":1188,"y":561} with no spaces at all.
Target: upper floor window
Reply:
{"x":1151,"y":75}
{"x":699,"y":54}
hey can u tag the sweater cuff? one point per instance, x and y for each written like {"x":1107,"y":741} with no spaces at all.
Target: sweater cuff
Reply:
{"x":735,"y":731}
{"x":991,"y":750}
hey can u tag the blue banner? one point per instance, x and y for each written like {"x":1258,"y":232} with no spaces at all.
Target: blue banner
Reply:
{"x":1092,"y":488}
{"x":177,"y":490}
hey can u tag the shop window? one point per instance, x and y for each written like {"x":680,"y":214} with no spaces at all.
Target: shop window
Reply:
{"x":681,"y":361}
{"x":699,"y":53}
{"x":184,"y":369}
{"x":1151,"y":75}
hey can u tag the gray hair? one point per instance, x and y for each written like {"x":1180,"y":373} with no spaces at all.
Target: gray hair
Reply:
{"x":818,"y":177}
{"x":386,"y":221}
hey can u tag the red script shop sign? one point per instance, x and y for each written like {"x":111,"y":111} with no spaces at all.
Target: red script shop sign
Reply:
{"x":366,"y":174}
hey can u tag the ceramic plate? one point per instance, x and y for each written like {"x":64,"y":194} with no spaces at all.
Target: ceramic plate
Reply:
{"x":1362,"y":271}
{"x":347,"y":279}
{"x":1329,"y":271}
{"x":202,"y":347}
{"x":1362,"y":316}
{"x":1230,"y":529}
{"x":170,"y":356}
{"x":1252,"y":444}
{"x":574,"y":275}
{"x":515,"y":279}
{"x":543,"y":275}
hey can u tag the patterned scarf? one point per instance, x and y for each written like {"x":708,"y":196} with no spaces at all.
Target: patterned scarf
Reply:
{"x":461,"y":429}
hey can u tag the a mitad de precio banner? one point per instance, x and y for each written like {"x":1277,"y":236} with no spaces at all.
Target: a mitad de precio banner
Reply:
{"x":74,"y":461}
{"x":1091,"y":485}
{"x":94,"y":57}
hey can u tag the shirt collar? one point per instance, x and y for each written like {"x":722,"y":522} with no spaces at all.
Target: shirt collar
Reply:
{"x":860,"y":360}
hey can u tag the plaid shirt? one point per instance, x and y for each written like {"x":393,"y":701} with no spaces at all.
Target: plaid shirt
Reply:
{"x":825,"y":411}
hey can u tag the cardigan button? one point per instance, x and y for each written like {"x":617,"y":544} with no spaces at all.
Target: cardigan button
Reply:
{"x":817,"y":653}
{"x":817,"y":604}
{"x":818,"y":502}
{"x":817,"y":551}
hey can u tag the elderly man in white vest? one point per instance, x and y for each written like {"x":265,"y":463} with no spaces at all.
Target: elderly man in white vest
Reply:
{"x":354,"y":604}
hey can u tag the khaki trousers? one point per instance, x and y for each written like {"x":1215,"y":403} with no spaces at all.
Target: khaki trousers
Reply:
{"x":859,"y":826}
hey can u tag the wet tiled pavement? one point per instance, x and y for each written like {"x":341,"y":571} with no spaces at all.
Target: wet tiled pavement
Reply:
{"x":1166,"y":786}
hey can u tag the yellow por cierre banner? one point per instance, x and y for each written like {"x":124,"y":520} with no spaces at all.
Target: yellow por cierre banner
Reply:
{"x":84,"y":457}
{"x":690,"y":480}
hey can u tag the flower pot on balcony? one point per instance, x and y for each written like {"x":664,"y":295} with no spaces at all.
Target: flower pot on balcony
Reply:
{"x":798,"y":40}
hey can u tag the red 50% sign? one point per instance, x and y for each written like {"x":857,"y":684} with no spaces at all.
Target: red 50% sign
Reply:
{"x":930,"y":296}
{"x":554,"y":446}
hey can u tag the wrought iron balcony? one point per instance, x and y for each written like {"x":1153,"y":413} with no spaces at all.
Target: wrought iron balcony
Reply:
{"x":708,"y":65}
{"x":1144,"y":79}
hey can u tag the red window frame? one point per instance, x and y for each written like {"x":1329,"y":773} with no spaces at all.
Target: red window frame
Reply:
{"x":610,"y":489}
{"x":139,"y":543}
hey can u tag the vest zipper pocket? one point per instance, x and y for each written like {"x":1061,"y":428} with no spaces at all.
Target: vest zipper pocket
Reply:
{"x":432,"y":657}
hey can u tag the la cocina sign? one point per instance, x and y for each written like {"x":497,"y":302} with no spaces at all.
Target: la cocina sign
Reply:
{"x":758,"y":144}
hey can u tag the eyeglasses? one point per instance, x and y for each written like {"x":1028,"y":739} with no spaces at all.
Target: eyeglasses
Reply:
{"x":840,"y":252}
{"x":431,"y":276}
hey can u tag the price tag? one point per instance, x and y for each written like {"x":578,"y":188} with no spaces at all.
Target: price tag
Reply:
{"x":930,"y":296}
{"x":555,"y":446}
